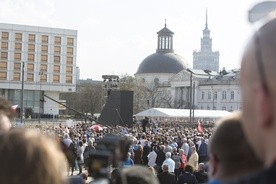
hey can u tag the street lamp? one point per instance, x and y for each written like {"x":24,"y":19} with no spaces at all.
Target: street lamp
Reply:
{"x":190,"y":93}
{"x":41,"y":100}
{"x":22,"y":92}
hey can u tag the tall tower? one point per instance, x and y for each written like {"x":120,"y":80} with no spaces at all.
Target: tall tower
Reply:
{"x":206,"y":59}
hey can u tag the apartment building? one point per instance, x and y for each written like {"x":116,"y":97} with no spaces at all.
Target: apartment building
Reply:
{"x":46,"y":57}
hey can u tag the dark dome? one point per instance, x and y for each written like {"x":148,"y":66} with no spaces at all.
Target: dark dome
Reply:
{"x":162,"y":63}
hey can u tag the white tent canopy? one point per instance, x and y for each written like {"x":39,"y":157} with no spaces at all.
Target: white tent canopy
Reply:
{"x":182,"y":113}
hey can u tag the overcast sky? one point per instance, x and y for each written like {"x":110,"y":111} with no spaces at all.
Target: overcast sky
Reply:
{"x":114,"y":36}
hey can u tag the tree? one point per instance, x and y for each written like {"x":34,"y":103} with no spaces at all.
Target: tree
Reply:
{"x":88,"y":98}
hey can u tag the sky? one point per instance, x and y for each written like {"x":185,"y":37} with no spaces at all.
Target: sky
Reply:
{"x":114,"y":36}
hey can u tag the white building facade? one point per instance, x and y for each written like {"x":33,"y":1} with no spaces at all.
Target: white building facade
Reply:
{"x":210,"y":91}
{"x":48,"y":58}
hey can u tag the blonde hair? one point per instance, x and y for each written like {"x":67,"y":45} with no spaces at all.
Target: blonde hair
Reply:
{"x":29,"y":157}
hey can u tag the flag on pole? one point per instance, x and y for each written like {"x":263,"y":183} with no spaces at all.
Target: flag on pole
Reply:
{"x":199,"y":127}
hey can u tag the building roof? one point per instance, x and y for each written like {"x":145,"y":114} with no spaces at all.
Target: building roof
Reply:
{"x":165,"y":30}
{"x":162,"y":63}
{"x":182,"y":113}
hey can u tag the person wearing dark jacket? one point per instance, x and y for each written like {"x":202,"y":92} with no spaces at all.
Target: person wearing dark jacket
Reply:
{"x":145,"y":122}
{"x":146,"y":151}
{"x":166,"y":177}
{"x":201,"y":175}
{"x":187,"y":176}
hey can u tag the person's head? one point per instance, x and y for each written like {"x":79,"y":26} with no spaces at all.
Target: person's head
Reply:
{"x":181,"y":152}
{"x":188,"y":168}
{"x":137,"y":175}
{"x":230,"y":155}
{"x":168,"y":155}
{"x":201,"y":167}
{"x":193,"y":148}
{"x":30,"y":157}
{"x":165,"y":168}
{"x":258,"y":89}
{"x":174,"y":150}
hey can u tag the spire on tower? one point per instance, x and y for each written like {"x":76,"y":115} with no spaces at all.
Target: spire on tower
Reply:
{"x":206,"y":23}
{"x":165,"y":22}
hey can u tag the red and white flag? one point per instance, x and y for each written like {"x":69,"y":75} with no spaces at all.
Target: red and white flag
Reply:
{"x":199,"y":127}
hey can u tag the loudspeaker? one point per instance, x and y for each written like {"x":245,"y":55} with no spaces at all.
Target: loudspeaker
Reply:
{"x":118,"y":109}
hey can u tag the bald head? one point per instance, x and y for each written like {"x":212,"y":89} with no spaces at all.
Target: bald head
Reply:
{"x":263,"y":43}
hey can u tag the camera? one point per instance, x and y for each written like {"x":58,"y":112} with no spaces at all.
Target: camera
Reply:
{"x":110,"y":152}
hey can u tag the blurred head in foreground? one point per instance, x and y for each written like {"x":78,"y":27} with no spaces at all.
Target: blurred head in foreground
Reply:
{"x":30,"y":157}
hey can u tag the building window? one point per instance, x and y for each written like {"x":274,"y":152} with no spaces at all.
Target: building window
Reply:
{"x":16,"y":76}
{"x":44,"y":48}
{"x":18,"y":36}
{"x":31,"y":57}
{"x":4,"y":55}
{"x":56,"y":59}
{"x":202,"y":95}
{"x":70,"y":50}
{"x":69,"y":69}
{"x":208,"y":108}
{"x":18,"y":46}
{"x":17,"y":66}
{"x":232,"y":95}
{"x":209,"y":95}
{"x":43,"y":77}
{"x":43,"y":68}
{"x":17,"y":56}
{"x":57,"y":40}
{"x":56,"y":78}
{"x":30,"y":77}
{"x":4,"y":46}
{"x":202,"y":107}
{"x":214,"y":108}
{"x":223,"y":108}
{"x":70,"y":41}
{"x":70,"y":60}
{"x":31,"y":38}
{"x":31,"y":47}
{"x":56,"y":69}
{"x":5,"y":35}
{"x":224,"y":95}
{"x":44,"y":58}
{"x":3,"y":75}
{"x":44,"y":39}
{"x":68,"y":79}
{"x":3,"y":65}
{"x":57,"y":49}
{"x":30,"y":67}
{"x":215,"y":95}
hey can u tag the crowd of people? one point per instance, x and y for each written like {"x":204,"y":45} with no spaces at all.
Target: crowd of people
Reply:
{"x":240,"y":149}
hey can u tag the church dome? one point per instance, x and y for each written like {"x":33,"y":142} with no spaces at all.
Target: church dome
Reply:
{"x":164,"y":60}
{"x":162,"y":63}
